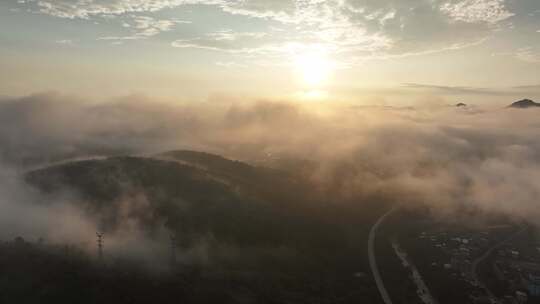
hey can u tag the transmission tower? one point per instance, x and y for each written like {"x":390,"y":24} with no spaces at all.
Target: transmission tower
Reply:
{"x":173,"y":249}
{"x":100,"y":244}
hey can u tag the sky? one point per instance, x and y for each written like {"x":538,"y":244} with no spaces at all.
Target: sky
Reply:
{"x":365,"y":51}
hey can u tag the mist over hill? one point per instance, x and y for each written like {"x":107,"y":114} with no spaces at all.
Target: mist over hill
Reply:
{"x":426,"y":155}
{"x":194,"y":195}
{"x":272,"y":195}
{"x":227,"y":224}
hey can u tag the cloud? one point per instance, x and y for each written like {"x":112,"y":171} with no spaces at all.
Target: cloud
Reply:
{"x":528,"y":87}
{"x":347,"y":29}
{"x":474,"y":11}
{"x":437,"y":156}
{"x":230,"y":64}
{"x":454,"y":90}
{"x":86,"y":9}
{"x":228,"y":41}
{"x":25,"y":212}
{"x":44,"y":120}
{"x":144,"y":27}
{"x":528,"y":54}
{"x":65,"y":41}
{"x":230,"y":35}
{"x":148,"y":26}
{"x":64,"y":218}
{"x":396,"y":55}
{"x":441,"y":90}
{"x":281,"y":10}
{"x":379,"y":29}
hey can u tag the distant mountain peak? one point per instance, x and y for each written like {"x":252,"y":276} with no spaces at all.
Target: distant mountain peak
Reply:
{"x":461,"y":104}
{"x":524,"y":103}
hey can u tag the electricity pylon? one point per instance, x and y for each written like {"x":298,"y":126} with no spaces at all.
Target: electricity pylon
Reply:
{"x":100,"y":244}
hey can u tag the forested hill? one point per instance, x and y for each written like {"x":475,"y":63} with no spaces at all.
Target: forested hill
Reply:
{"x":191,"y":194}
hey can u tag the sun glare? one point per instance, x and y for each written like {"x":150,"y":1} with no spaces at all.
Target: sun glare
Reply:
{"x":314,"y":69}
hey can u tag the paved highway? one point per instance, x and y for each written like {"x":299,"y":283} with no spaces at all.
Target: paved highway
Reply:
{"x":373,"y":262}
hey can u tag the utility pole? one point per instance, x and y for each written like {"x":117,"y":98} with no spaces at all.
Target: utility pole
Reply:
{"x":173,"y":249}
{"x":100,"y":245}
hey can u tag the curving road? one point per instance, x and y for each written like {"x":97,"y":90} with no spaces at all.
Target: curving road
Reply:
{"x":421,"y":288}
{"x":373,"y":262}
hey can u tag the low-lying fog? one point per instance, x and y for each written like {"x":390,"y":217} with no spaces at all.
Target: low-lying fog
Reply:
{"x":433,"y":154}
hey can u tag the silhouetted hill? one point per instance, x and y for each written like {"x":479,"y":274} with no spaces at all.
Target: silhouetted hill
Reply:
{"x":525,"y":103}
{"x":267,"y":232}
{"x":197,"y":194}
{"x":230,"y":200}
{"x":229,"y":169}
{"x":276,"y":185}
{"x":461,"y":104}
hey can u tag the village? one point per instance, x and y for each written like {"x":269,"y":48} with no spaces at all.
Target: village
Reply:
{"x":499,"y":263}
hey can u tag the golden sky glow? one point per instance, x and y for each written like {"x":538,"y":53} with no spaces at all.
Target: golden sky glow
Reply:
{"x":388,"y":50}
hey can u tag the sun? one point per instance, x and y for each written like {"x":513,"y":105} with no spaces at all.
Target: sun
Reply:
{"x":313,"y":69}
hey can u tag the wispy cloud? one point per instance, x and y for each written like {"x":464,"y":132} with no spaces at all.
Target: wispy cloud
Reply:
{"x":453,"y":90}
{"x":65,"y":41}
{"x":86,"y":9}
{"x":528,"y":54}
{"x":528,"y":87}
{"x":230,"y":35}
{"x":467,"y":90}
{"x":353,"y":29}
{"x":144,"y":27}
{"x":230,"y":64}
{"x":473,"y":11}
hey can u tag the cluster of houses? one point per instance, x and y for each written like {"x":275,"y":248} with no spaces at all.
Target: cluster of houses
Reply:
{"x":519,"y":273}
{"x":460,"y":248}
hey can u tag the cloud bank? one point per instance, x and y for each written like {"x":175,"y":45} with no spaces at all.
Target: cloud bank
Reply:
{"x":438,"y":155}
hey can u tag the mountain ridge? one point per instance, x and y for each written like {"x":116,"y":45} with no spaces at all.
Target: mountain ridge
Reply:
{"x":524,"y":103}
